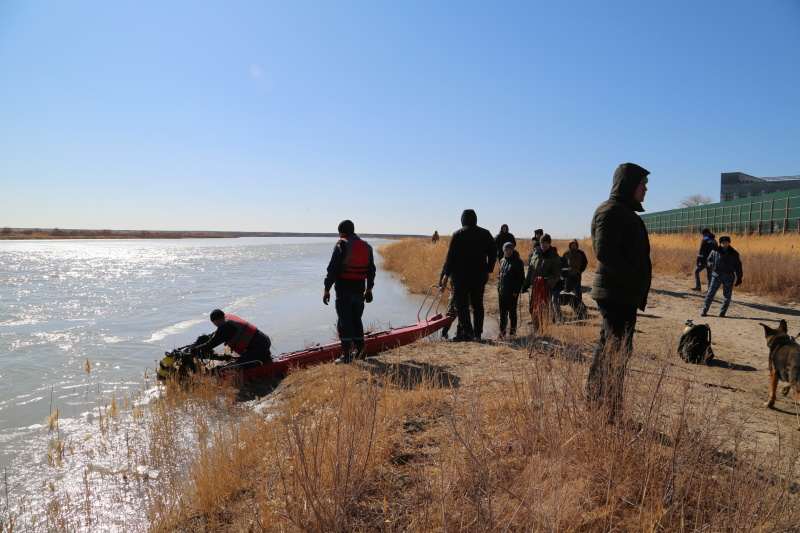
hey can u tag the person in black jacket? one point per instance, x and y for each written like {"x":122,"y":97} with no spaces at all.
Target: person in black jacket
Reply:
{"x":509,"y":285}
{"x":470,"y":260}
{"x":501,"y":238}
{"x":725,"y":265}
{"x":621,"y":283}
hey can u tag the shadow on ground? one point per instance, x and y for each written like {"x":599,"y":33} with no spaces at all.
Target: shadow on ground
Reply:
{"x":411,"y":374}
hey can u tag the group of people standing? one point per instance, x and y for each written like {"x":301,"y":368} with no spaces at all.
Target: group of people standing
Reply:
{"x":471,"y":259}
{"x":620,"y":287}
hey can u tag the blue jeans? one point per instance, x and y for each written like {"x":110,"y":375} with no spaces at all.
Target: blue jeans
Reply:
{"x":717,"y":279}
{"x":349,"y":308}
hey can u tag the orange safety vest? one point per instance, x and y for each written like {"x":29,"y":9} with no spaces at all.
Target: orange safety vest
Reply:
{"x":245,"y":331}
{"x":356,"y":260}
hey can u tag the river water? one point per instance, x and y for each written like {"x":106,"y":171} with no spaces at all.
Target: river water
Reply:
{"x":86,"y":320}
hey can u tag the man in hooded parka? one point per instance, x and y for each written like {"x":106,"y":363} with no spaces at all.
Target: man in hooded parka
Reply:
{"x":621,"y":282}
{"x":470,"y":259}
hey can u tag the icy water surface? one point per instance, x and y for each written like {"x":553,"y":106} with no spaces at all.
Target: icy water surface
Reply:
{"x":84,"y":322}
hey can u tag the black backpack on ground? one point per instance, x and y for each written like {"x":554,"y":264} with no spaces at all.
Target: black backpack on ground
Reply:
{"x":695,"y":344}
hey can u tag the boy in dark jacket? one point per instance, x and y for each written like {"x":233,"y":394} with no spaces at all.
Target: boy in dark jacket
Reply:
{"x":509,"y":285}
{"x":725,"y":265}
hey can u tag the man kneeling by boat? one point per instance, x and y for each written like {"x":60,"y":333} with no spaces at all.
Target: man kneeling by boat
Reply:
{"x":242,"y":337}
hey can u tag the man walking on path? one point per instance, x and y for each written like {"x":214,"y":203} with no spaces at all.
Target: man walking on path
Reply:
{"x":470,"y":260}
{"x":352,"y":272}
{"x":707,"y":245}
{"x":621,"y":283}
{"x":725,"y":265}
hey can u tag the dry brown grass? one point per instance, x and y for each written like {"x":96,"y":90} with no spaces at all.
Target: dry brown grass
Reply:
{"x":398,"y":448}
{"x":443,"y":437}
{"x":418,"y":262}
{"x":770,"y":262}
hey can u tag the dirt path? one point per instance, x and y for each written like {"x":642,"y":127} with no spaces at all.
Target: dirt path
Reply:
{"x":740,"y":366}
{"x":739,"y":371}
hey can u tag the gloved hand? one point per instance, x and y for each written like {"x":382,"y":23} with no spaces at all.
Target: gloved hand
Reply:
{"x":700,"y":262}
{"x":368,"y":296}
{"x":326,"y":297}
{"x":738,"y":282}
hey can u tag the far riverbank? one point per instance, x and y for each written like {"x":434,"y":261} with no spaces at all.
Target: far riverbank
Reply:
{"x":9,"y":234}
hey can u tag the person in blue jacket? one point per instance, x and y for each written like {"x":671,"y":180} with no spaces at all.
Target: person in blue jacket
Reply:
{"x":707,"y":245}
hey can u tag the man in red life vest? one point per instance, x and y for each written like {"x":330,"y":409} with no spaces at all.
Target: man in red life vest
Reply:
{"x":242,"y":337}
{"x":351,"y":272}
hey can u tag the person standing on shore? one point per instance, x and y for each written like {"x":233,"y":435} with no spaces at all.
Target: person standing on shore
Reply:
{"x":470,"y":260}
{"x":351,"y":272}
{"x":545,"y":264}
{"x":725,"y":265}
{"x":707,"y":245}
{"x":501,"y":239}
{"x":510,"y":277}
{"x":577,"y":263}
{"x":621,"y":283}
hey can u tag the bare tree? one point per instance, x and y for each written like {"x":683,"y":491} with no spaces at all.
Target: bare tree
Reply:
{"x":695,"y":200}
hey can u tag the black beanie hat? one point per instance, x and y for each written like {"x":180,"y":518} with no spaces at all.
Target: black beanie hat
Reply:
{"x":347,"y":227}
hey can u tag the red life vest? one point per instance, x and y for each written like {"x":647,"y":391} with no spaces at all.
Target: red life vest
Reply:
{"x":356,"y":260}
{"x":245,"y":331}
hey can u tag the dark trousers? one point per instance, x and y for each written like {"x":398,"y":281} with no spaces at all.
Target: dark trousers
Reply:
{"x":349,"y":309}
{"x":607,"y":371}
{"x":573,"y":284}
{"x":697,"y":271}
{"x":466,"y":294}
{"x":508,"y":311}
{"x":257,"y":353}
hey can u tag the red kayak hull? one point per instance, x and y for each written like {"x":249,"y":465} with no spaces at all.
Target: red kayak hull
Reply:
{"x":377,"y":342}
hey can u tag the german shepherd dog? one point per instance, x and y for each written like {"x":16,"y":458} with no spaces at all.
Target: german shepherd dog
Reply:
{"x":784,"y":362}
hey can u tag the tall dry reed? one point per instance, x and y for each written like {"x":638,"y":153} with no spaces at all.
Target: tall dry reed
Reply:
{"x":395,"y":448}
{"x":770,"y":262}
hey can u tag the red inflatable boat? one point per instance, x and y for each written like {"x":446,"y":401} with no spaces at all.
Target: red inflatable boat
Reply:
{"x":374,"y":343}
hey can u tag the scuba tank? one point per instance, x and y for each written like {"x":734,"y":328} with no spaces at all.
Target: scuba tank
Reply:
{"x":167,"y":364}
{"x":179,"y":359}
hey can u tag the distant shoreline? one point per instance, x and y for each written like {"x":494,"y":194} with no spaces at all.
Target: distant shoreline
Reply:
{"x":14,"y":234}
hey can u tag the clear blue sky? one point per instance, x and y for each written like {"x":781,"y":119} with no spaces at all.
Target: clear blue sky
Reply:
{"x":290,"y":116}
